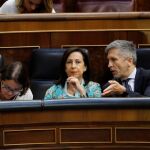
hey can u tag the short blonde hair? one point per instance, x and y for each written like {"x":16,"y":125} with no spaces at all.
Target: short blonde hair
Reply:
{"x":48,"y":6}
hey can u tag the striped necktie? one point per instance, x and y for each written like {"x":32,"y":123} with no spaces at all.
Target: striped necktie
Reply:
{"x":127,"y":86}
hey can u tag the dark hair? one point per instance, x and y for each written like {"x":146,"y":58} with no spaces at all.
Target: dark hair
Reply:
{"x":17,"y":72}
{"x":63,"y":75}
{"x":47,"y":6}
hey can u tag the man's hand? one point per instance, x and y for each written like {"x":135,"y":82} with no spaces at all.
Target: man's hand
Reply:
{"x":114,"y":88}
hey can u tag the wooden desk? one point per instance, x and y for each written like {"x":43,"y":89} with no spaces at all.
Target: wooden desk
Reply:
{"x":75,"y":21}
{"x":90,"y":30}
{"x":100,"y":124}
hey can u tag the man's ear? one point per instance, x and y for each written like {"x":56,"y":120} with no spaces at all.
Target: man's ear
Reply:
{"x":130,"y":61}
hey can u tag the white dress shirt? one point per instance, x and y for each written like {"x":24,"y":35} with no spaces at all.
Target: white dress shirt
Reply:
{"x":132,"y":79}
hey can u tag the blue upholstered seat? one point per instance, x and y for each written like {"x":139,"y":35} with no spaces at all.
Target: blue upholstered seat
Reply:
{"x":44,"y":69}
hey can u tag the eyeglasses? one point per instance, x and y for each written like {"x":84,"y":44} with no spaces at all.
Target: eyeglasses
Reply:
{"x":6,"y":87}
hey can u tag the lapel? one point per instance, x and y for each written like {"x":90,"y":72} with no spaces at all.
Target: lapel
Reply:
{"x":138,"y":80}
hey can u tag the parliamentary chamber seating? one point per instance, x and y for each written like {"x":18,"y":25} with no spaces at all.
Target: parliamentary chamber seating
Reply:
{"x":44,"y":69}
{"x":143,"y":57}
{"x":45,"y":65}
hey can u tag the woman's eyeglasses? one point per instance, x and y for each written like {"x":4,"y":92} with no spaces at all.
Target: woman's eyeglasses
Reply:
{"x":6,"y":87}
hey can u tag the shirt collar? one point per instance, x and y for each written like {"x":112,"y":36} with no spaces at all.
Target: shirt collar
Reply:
{"x":132,"y":75}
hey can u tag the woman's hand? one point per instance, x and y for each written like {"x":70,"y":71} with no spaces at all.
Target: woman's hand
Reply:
{"x":74,"y":85}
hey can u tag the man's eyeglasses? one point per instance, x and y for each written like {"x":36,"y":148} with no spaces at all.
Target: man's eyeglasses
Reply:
{"x":6,"y":87}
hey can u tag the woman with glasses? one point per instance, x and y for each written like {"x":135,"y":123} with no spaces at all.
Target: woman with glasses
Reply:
{"x":15,"y":83}
{"x":27,"y":6}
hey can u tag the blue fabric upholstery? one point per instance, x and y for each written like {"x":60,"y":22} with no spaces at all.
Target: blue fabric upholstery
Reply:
{"x":45,"y":63}
{"x":1,"y":61}
{"x":143,"y":58}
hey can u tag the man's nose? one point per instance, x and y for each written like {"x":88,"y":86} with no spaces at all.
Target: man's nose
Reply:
{"x":109,"y":64}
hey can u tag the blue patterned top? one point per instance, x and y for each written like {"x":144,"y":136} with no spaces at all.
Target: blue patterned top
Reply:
{"x":93,"y":90}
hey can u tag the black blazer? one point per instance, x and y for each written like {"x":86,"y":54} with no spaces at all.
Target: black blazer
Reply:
{"x":141,"y":84}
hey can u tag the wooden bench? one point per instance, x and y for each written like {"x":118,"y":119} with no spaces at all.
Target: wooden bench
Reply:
{"x":99,"y":124}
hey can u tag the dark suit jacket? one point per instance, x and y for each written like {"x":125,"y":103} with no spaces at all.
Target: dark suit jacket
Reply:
{"x":141,"y":86}
{"x":142,"y":83}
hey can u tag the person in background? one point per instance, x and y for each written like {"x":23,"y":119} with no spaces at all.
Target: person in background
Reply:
{"x":27,"y":6}
{"x":74,"y":77}
{"x":128,"y":80}
{"x":14,"y":83}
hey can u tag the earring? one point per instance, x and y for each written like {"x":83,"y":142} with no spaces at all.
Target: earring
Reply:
{"x":85,"y":68}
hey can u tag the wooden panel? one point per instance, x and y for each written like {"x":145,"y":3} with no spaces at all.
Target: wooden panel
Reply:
{"x":68,"y":128}
{"x":127,"y":21}
{"x":85,"y":135}
{"x":137,"y":135}
{"x":56,"y":30}
{"x":92,"y":115}
{"x":30,"y":136}
{"x":19,"y":53}
{"x":25,"y":39}
{"x":142,"y":5}
{"x":143,"y":45}
{"x":1,"y":136}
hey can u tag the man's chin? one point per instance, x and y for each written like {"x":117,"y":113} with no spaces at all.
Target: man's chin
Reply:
{"x":116,"y":76}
